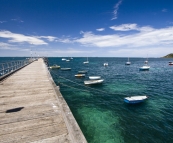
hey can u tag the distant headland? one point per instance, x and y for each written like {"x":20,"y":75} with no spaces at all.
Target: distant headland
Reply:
{"x":169,"y":56}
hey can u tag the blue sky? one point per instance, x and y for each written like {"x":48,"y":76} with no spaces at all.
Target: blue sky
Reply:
{"x":80,"y":28}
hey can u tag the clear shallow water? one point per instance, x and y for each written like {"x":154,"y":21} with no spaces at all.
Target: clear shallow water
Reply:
{"x":103,"y":116}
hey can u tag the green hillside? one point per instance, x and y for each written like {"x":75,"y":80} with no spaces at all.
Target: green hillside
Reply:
{"x":169,"y":56}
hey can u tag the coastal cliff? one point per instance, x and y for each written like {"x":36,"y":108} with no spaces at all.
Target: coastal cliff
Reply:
{"x":169,"y":56}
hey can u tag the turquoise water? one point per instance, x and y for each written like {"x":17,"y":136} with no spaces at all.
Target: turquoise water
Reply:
{"x":102,"y":114}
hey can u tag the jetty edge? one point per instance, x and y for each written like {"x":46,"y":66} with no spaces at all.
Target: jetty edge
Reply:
{"x":32,"y":109}
{"x":72,"y":125}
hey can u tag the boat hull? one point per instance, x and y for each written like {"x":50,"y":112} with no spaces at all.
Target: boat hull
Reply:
{"x":144,"y":68}
{"x":94,"y":77}
{"x":80,"y":75}
{"x":65,"y":69}
{"x":86,"y":62}
{"x":135,"y":99}
{"x":81,"y":72}
{"x":127,"y":63}
{"x":91,"y":82}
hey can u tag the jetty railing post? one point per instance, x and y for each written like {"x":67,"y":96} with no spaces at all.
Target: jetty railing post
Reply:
{"x":2,"y":69}
{"x":8,"y":67}
{"x":11,"y":66}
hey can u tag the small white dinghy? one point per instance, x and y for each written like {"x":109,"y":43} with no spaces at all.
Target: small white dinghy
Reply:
{"x":86,"y":62}
{"x":105,"y":64}
{"x":91,"y":82}
{"x":135,"y":99}
{"x":128,"y":62}
{"x":63,"y":59}
{"x":80,"y":75}
{"x":94,"y":77}
{"x":170,"y":63}
{"x":54,"y":67}
{"x":82,"y":72}
{"x":65,"y":69}
{"x":144,"y":67}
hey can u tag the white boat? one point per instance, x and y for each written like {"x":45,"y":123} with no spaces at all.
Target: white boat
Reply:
{"x":135,"y":99}
{"x":65,"y":69}
{"x":71,"y":58}
{"x":146,"y":62}
{"x":80,"y":75}
{"x":94,"y":77}
{"x":86,"y":62}
{"x":90,"y":82}
{"x":128,"y":62}
{"x":63,"y":59}
{"x":170,"y":63}
{"x":144,"y":67}
{"x":81,"y":72}
{"x":105,"y":64}
{"x":67,"y":60}
{"x":54,"y":67}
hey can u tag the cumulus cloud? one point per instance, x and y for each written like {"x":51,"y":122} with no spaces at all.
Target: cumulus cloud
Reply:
{"x":17,"y":20}
{"x":72,"y":51}
{"x":128,"y":27}
{"x":145,"y":36}
{"x":49,"y":38}
{"x":6,"y":46}
{"x":20,"y":38}
{"x":100,"y":29}
{"x":3,"y":21}
{"x":116,"y":7}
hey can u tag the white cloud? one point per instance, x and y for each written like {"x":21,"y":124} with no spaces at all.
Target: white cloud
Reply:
{"x":141,"y":52}
{"x":72,"y":51}
{"x":20,"y":38}
{"x":3,"y":21}
{"x":64,"y":40}
{"x":128,"y":27}
{"x":164,"y":10}
{"x":100,"y":29}
{"x":116,"y":7}
{"x":124,"y":27}
{"x":6,"y":46}
{"x":145,"y":36}
{"x":17,"y":20}
{"x":49,"y":38}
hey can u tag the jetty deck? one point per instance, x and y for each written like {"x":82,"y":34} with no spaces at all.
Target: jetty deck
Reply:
{"x":32,"y":109}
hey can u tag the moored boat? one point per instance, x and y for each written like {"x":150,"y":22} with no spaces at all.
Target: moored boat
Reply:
{"x":135,"y":99}
{"x":80,"y":75}
{"x":94,"y":77}
{"x":65,"y":69}
{"x":81,"y":72}
{"x":170,"y":63}
{"x":54,"y":67}
{"x":105,"y":64}
{"x":86,"y":62}
{"x":63,"y":59}
{"x":144,"y":67}
{"x":128,"y":62}
{"x":91,"y":82}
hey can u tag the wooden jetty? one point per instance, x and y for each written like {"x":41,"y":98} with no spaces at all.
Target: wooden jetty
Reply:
{"x":32,"y":109}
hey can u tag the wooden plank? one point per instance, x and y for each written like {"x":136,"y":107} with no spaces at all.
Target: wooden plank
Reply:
{"x":30,"y":124}
{"x":42,"y":118}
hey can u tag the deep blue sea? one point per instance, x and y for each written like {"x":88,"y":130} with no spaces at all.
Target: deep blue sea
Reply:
{"x":100,"y":110}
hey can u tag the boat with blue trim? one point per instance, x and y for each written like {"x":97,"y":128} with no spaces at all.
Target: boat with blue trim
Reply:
{"x":135,"y":99}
